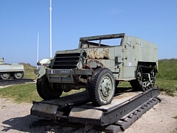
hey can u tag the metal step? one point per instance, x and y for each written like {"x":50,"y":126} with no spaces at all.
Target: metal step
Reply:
{"x":53,"y":109}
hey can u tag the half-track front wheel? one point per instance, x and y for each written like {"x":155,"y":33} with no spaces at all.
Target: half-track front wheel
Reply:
{"x":18,"y":75}
{"x":101,"y":87}
{"x":5,"y":76}
{"x":46,"y":91}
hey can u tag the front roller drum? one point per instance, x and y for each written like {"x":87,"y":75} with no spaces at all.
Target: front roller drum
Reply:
{"x":101,"y":87}
{"x":46,"y":91}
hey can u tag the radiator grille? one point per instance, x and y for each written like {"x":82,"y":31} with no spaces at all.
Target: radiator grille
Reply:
{"x":66,"y":61}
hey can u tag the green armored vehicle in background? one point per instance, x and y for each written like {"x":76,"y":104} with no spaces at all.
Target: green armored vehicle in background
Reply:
{"x":13,"y":70}
{"x":98,"y":66}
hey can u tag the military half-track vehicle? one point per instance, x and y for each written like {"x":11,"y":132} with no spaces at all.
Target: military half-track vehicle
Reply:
{"x":99,"y":67}
{"x":13,"y":70}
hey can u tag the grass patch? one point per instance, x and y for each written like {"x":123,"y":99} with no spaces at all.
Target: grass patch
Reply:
{"x":175,"y":131}
{"x":3,"y":107}
{"x":167,"y":76}
{"x":175,"y":117}
{"x":167,"y":69}
{"x":168,"y":86}
{"x":26,"y":93}
{"x":29,"y":71}
{"x":72,"y":92}
{"x":21,"y":93}
{"x":124,"y":84}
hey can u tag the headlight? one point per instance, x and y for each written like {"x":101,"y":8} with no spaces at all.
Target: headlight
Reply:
{"x":44,"y":62}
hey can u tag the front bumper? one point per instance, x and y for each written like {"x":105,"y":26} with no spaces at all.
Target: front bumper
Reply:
{"x":66,"y":75}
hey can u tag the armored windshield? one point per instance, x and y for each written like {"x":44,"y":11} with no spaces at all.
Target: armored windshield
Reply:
{"x":101,"y":41}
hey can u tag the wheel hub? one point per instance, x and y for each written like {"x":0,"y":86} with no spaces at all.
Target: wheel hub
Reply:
{"x":105,"y":87}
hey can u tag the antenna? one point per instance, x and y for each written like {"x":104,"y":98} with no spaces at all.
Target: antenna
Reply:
{"x":37,"y":47}
{"x":50,"y":28}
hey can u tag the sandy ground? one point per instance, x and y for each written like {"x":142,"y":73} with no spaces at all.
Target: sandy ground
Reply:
{"x":16,"y":118}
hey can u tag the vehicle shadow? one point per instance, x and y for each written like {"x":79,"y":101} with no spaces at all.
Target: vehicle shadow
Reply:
{"x":121,"y":90}
{"x":34,"y":124}
{"x":21,"y":124}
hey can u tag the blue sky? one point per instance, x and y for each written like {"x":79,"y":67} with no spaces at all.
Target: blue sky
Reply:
{"x":21,"y":20}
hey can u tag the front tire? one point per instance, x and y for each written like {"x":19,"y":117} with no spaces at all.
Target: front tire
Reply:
{"x":45,"y":90}
{"x":102,"y":87}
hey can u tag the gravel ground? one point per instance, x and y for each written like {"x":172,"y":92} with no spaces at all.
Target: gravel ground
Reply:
{"x":16,"y":118}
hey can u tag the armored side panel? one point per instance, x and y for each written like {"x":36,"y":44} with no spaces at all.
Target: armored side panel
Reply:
{"x":11,"y":68}
{"x":14,"y":67}
{"x":135,"y":51}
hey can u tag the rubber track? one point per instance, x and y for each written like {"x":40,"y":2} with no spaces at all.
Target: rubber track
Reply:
{"x":14,"y":81}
